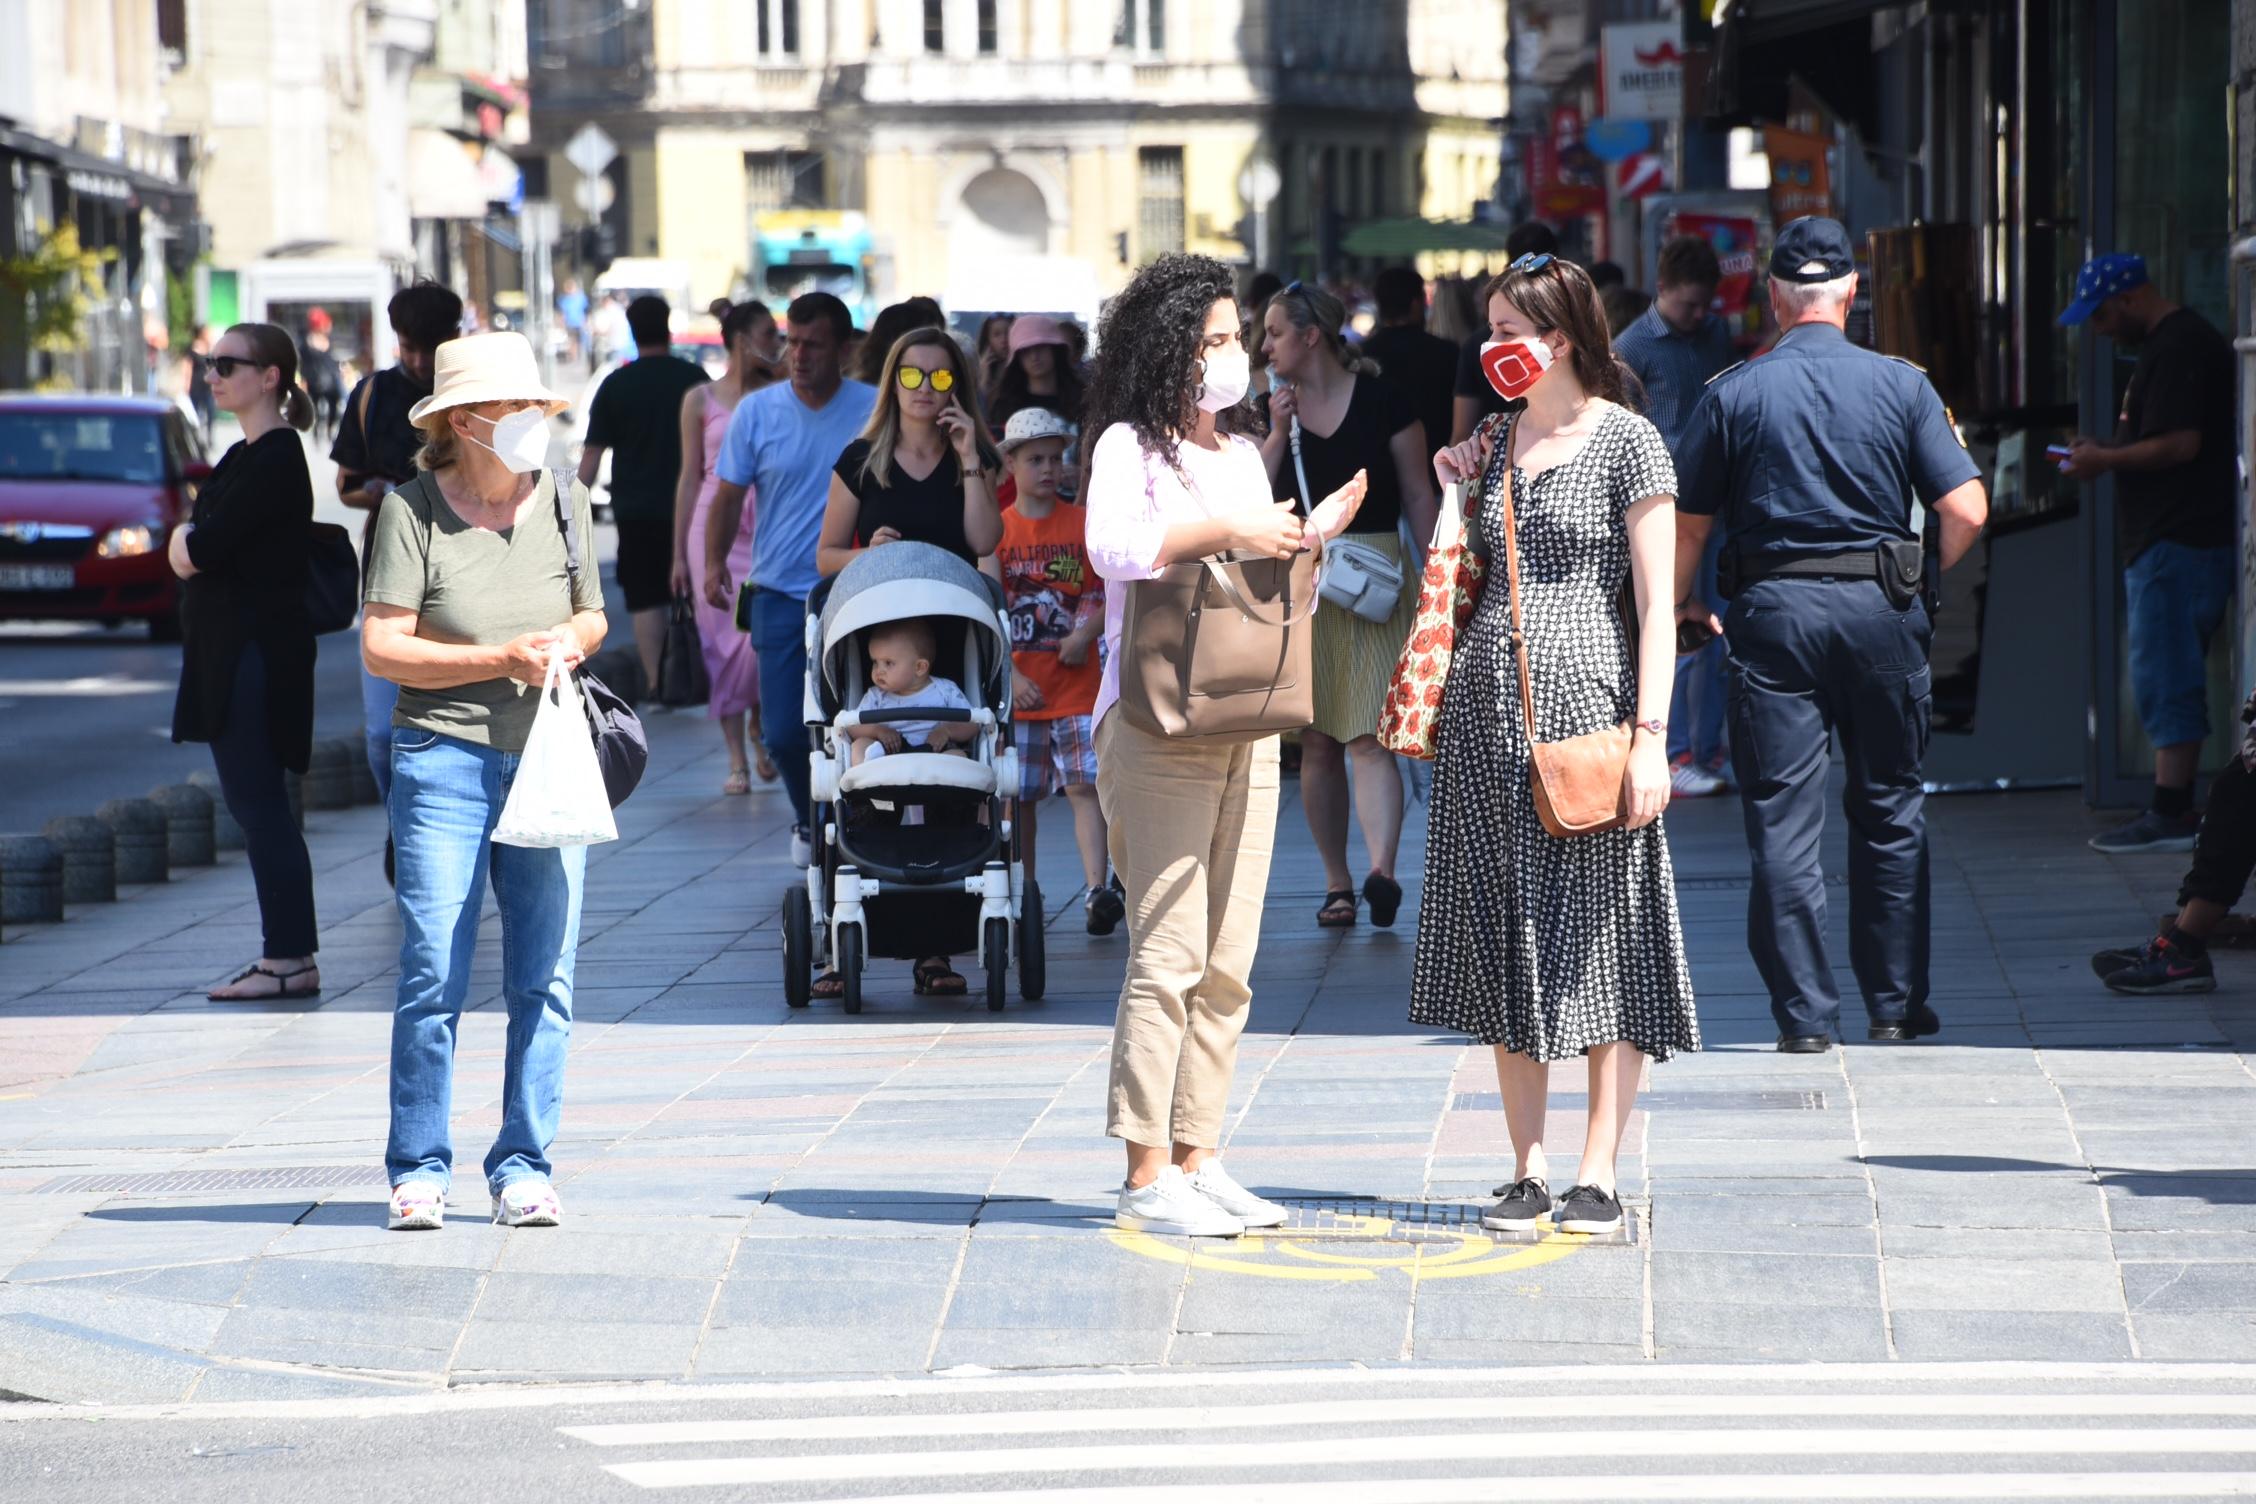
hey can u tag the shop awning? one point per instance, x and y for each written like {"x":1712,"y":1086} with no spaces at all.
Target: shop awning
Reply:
{"x":99,"y":177}
{"x":443,"y":180}
{"x":1762,"y":45}
{"x":1411,"y":237}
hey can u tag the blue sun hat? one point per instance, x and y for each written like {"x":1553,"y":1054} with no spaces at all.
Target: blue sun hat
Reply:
{"x":2102,"y":278}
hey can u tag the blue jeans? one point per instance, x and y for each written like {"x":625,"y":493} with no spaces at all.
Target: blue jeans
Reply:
{"x":377,"y":697}
{"x":1698,"y":703}
{"x":446,"y":797}
{"x":2177,"y":598}
{"x":779,"y":638}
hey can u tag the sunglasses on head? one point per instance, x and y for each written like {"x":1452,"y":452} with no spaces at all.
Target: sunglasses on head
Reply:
{"x":224,"y":366}
{"x":1533,"y":261}
{"x":911,"y":377}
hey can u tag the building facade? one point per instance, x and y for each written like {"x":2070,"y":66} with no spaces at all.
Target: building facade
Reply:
{"x":95,"y":203}
{"x":1019,"y":153}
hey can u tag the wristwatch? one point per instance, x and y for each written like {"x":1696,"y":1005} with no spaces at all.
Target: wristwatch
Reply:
{"x":1657,"y":726}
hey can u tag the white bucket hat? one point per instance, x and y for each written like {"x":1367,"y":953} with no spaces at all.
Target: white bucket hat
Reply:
{"x":484,"y":368}
{"x":1031,"y":423}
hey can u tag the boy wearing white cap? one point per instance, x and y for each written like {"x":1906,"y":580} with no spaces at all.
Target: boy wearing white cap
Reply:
{"x":1056,"y":607}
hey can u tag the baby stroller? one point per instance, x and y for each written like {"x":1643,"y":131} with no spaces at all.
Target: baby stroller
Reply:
{"x":879,"y":885}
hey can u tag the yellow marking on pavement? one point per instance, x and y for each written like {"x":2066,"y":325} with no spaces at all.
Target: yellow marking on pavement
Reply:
{"x":1474,"y":1254}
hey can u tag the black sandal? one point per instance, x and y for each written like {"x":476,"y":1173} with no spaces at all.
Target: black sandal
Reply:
{"x":829,"y":987}
{"x":938,"y":979}
{"x":1384,"y":895}
{"x":1331,"y":917}
{"x":283,"y":992}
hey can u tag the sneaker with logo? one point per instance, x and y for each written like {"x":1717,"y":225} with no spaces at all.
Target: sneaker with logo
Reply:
{"x":527,"y":1201}
{"x":1526,"y":1205}
{"x":1214,"y":1183}
{"x":1589,"y":1208}
{"x":1692,"y":780}
{"x":2151,"y":831}
{"x":418,"y":1206}
{"x":2165,"y":965}
{"x":1168,"y":1205}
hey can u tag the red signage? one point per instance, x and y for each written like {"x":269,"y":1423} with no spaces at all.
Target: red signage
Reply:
{"x":1560,"y":177}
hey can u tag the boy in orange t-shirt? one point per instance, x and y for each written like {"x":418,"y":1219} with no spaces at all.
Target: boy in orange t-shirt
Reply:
{"x":1057,"y":616}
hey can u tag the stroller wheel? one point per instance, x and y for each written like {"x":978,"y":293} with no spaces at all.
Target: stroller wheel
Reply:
{"x":1033,"y":971}
{"x":850,"y":969}
{"x":998,"y":962}
{"x":798,"y":947}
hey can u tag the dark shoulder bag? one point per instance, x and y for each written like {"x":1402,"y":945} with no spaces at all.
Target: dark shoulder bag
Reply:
{"x":332,"y":597}
{"x":621,"y":747}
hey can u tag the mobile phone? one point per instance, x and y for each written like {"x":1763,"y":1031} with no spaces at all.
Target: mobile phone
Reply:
{"x":1691,"y":636}
{"x":2056,"y":451}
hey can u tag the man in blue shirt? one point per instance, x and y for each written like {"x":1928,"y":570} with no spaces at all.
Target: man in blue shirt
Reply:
{"x":782,"y":443}
{"x":1809,"y":458}
{"x":1676,"y":347}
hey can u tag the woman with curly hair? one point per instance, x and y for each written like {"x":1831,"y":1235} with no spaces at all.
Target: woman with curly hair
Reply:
{"x":1173,"y":479}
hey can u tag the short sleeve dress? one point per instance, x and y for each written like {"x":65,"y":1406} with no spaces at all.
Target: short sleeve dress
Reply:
{"x":1549,"y":946}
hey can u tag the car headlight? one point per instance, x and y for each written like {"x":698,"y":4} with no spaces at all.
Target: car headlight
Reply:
{"x":125,"y":542}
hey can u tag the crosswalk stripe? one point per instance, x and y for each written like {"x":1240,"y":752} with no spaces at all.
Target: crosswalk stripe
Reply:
{"x":1750,"y":1487}
{"x":832,"y":1467}
{"x":1388,"y":1411}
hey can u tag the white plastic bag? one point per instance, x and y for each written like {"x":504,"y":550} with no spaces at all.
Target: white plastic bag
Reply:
{"x":558,"y":797}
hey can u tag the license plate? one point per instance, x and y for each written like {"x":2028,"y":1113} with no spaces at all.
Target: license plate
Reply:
{"x":36,"y":576}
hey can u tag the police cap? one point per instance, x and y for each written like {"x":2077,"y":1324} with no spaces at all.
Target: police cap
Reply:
{"x":1812,"y":249}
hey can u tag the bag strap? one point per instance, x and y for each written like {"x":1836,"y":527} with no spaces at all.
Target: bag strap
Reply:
{"x":1512,"y":578}
{"x":560,"y":479}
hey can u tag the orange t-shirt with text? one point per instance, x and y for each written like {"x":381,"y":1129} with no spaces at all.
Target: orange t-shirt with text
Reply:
{"x":1051,"y":590}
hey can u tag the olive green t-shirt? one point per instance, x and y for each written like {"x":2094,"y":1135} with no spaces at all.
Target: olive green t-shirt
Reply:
{"x":470,"y":586}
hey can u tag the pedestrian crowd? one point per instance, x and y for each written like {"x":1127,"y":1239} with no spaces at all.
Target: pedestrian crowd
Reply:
{"x":1500,"y":554}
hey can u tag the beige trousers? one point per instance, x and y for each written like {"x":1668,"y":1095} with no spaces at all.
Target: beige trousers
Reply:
{"x":1192,"y":827}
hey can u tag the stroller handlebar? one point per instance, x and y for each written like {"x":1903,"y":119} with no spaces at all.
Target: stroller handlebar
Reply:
{"x":914,"y":713}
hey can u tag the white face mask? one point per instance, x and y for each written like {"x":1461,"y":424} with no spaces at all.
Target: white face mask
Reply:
{"x":1224,"y":376}
{"x":520,"y":439}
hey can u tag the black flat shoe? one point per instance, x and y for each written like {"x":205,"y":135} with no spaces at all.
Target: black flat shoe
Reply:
{"x":1804,"y":1044}
{"x":1917,"y":1023}
{"x":1384,"y":895}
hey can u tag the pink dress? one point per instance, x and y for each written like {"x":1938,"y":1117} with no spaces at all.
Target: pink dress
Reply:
{"x":729,"y":660}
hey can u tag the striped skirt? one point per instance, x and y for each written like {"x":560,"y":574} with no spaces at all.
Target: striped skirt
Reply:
{"x":1355,"y":659}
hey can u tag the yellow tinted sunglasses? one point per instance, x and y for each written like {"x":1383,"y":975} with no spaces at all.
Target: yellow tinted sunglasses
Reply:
{"x":910,"y":377}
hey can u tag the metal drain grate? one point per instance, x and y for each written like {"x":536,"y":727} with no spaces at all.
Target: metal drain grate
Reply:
{"x":1376,"y":1220}
{"x":1670,"y":1101}
{"x":283,"y":1178}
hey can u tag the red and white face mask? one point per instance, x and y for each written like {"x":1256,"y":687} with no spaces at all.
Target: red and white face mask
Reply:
{"x":1514,"y":366}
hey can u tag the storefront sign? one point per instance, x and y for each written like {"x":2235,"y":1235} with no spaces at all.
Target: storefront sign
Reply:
{"x":1614,"y":140}
{"x":1561,"y":182}
{"x":1801,"y":181}
{"x":1642,"y":65}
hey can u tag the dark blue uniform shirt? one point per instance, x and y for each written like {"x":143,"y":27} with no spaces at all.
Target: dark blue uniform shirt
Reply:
{"x":1818,"y":447}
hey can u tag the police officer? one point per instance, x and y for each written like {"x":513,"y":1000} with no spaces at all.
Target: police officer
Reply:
{"x":1811,"y":456}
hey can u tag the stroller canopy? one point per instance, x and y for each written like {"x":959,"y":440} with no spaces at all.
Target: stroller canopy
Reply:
{"x":906,"y":582}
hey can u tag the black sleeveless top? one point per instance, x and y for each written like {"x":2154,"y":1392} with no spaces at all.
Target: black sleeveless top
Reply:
{"x":930,"y":510}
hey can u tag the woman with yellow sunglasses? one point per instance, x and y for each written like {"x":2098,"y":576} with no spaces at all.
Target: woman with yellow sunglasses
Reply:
{"x":923,"y":470}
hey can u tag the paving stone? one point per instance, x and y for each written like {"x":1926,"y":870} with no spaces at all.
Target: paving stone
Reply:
{"x":2003,"y":1284}
{"x":1764,"y":1279}
{"x":2209,"y":1336}
{"x":2178,"y":1289}
{"x":507,"y":1350}
{"x":1029,"y":1347}
{"x":609,"y":1299}
{"x":809,"y":1351}
{"x":47,"y":1359}
{"x":1692,"y":1331}
{"x":861,"y":1304}
{"x":2052,"y":1335}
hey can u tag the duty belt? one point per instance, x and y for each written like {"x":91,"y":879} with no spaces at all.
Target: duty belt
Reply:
{"x":1864,"y":564}
{"x":1898,"y":565}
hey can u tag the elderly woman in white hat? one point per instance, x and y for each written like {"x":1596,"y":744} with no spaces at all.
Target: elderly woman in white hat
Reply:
{"x":468,"y":596}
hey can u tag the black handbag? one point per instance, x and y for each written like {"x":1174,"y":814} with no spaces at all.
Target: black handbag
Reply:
{"x":682,"y":679}
{"x":622,"y":749}
{"x":332,"y":597}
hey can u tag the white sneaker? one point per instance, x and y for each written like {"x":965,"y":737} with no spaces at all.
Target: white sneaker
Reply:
{"x":1689,"y":780}
{"x":528,"y":1201}
{"x":1214,"y":1183}
{"x":802,"y":849}
{"x":418,"y":1205}
{"x":1169,"y":1205}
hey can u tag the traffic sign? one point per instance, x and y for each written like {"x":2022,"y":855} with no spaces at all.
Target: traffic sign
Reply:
{"x":591,"y":149}
{"x":1260,"y":183}
{"x":595,"y":195}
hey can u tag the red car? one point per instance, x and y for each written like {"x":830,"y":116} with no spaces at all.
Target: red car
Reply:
{"x":91,"y":488}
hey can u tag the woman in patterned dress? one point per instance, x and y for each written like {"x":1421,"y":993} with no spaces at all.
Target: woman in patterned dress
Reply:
{"x":1543,"y":947}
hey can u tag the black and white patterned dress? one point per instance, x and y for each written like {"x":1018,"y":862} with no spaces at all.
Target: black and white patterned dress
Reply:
{"x":1546,"y":946}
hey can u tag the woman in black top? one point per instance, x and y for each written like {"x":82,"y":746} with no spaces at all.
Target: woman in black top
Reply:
{"x":923,"y":470}
{"x":1350,"y":419}
{"x":246,"y":669}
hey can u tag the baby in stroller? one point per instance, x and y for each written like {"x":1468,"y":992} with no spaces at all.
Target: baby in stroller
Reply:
{"x":901,"y":679}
